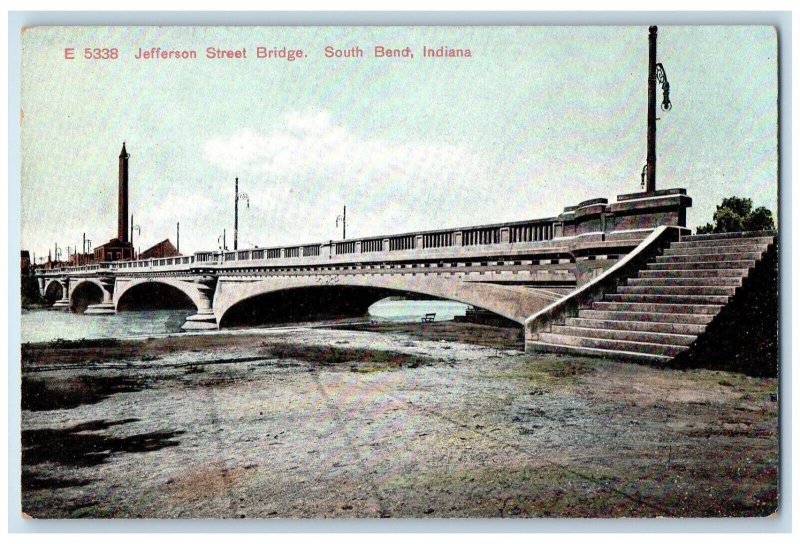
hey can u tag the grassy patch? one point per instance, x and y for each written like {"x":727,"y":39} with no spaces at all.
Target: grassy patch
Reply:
{"x":367,"y":359}
{"x":553,"y":368}
{"x":451,"y":331}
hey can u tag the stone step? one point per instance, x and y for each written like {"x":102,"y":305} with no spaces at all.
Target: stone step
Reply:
{"x":676,"y":289}
{"x":719,"y":237}
{"x":660,"y":313}
{"x":544,"y":347}
{"x":614,"y":345}
{"x":702,"y":265}
{"x":664,"y":308}
{"x":684,"y":281}
{"x":709,"y":257}
{"x":732,"y":242}
{"x":644,"y":326}
{"x":627,"y":335}
{"x":667,"y":299}
{"x":671,"y":317}
{"x":695,"y":273}
{"x":707,"y":249}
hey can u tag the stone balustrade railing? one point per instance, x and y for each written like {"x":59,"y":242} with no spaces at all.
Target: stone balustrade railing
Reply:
{"x":593,"y":221}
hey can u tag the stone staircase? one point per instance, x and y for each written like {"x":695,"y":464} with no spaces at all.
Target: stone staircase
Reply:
{"x":660,"y":313}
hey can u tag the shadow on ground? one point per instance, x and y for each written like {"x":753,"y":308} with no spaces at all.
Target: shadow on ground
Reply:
{"x":66,"y":393}
{"x":83,"y":446}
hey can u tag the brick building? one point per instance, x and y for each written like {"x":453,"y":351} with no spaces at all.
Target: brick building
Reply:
{"x":160,"y":250}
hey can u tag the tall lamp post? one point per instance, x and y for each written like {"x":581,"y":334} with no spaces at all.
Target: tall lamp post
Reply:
{"x":138,"y":230}
{"x":343,"y":219}
{"x":239,"y":196}
{"x":656,"y":74}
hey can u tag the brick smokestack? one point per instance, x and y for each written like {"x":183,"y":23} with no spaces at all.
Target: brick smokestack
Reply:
{"x":122,"y":213}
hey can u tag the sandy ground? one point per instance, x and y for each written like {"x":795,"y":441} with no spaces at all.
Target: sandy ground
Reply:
{"x":340,"y":423}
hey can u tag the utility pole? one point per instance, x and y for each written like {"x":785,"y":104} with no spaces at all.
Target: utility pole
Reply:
{"x":343,"y":219}
{"x":178,"y":237}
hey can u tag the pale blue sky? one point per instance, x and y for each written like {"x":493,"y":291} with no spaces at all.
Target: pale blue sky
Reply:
{"x":539,"y":118}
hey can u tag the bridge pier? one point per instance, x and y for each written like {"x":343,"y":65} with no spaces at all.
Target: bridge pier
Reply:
{"x":106,"y":307}
{"x":63,"y":303}
{"x":204,"y":319}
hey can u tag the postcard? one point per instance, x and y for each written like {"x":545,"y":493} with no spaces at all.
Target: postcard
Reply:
{"x":399,"y":272}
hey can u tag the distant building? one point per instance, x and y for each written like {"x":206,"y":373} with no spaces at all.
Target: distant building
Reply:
{"x":81,"y":259}
{"x":160,"y":250}
{"x":114,"y":250}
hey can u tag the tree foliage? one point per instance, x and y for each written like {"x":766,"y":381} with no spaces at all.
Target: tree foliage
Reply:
{"x":737,"y":214}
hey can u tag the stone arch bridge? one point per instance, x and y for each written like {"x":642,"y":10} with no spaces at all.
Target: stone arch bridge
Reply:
{"x":512,"y":269}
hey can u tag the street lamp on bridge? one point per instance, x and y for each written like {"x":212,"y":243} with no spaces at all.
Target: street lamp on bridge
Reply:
{"x":239,"y":196}
{"x":343,"y":219}
{"x":656,"y":73}
{"x":136,"y":228}
{"x":223,"y":245}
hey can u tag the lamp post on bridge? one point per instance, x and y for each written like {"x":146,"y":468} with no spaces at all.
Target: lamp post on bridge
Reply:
{"x":223,"y":246}
{"x":239,"y":196}
{"x":656,"y":73}
{"x":343,"y":219}
{"x":138,"y":230}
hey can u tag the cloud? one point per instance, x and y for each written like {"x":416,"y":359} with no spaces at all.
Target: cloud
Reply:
{"x":310,"y":142}
{"x":310,"y":164}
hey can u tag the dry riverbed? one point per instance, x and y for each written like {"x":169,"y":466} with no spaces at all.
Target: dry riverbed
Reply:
{"x":393,"y":423}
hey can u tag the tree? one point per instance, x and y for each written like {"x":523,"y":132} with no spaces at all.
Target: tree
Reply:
{"x":736,"y":214}
{"x":760,"y":219}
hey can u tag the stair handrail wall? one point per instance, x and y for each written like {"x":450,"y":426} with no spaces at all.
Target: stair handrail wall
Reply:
{"x":607,"y":282}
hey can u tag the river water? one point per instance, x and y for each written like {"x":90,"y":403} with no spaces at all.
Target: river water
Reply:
{"x":48,"y":325}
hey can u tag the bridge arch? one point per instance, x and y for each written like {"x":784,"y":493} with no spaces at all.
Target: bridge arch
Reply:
{"x":306,"y":303}
{"x":158,"y":293}
{"x":53,"y":290}
{"x":515,"y":303}
{"x":86,"y":292}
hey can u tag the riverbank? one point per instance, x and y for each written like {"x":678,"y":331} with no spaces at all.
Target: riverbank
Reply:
{"x":402,"y":422}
